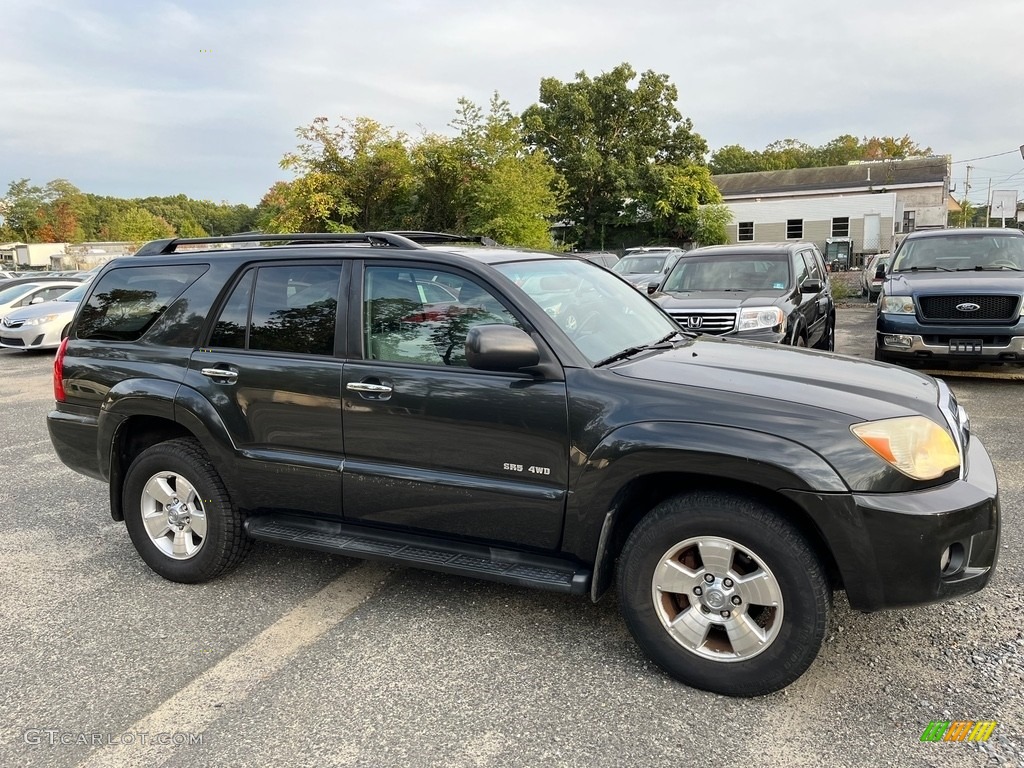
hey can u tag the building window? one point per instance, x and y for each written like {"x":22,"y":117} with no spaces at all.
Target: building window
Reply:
{"x":794,"y":229}
{"x":746,"y":231}
{"x":908,"y":221}
{"x":841,"y":226}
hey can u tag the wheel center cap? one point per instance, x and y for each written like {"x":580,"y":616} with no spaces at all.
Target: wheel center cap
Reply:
{"x":714,"y":599}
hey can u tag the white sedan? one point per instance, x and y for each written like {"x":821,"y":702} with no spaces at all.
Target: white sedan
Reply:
{"x":41,"y":324}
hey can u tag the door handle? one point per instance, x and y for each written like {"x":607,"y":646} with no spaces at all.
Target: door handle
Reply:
{"x":375,"y":389}
{"x":219,"y":373}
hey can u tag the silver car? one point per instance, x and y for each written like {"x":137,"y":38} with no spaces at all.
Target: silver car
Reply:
{"x":41,"y":325}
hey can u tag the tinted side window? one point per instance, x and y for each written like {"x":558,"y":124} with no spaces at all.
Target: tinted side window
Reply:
{"x":812,"y":265}
{"x":128,"y":300}
{"x":423,"y":315}
{"x":295,"y":309}
{"x":233,"y":322}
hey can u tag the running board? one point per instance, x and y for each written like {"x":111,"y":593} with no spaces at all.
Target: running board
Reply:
{"x":482,"y":562}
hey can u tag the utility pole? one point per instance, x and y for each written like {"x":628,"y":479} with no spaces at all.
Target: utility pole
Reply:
{"x":988,"y":213}
{"x":967,"y":189}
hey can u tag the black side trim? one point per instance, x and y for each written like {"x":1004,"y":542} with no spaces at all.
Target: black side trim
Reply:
{"x":504,"y":565}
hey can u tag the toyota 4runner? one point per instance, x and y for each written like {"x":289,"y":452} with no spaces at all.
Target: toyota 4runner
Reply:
{"x":523,"y":417}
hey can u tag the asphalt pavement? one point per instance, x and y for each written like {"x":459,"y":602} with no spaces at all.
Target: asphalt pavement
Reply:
{"x":300,"y":658}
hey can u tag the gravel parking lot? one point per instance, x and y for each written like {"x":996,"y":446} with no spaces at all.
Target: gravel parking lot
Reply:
{"x":299,"y":658}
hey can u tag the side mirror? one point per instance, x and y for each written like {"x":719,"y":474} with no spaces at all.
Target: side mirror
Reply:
{"x":811,"y":285}
{"x":880,"y":272}
{"x":653,"y":287}
{"x":500,"y":348}
{"x":37,"y":300}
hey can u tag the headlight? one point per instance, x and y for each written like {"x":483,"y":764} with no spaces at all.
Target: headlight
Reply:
{"x":40,"y":320}
{"x":914,"y":445}
{"x":896,"y":305}
{"x":753,"y":318}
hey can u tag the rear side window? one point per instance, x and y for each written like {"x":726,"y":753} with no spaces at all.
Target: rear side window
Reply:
{"x":129,"y":300}
{"x":291,"y":308}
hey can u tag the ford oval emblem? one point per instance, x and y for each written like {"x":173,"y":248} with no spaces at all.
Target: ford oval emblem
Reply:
{"x":968,"y":306}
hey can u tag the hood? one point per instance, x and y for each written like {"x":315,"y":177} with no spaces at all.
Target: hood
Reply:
{"x":42,"y":309}
{"x":716,"y":299}
{"x":641,"y":279}
{"x":859,"y":388}
{"x":991,"y":281}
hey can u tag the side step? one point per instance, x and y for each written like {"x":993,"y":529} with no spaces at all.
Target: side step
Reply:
{"x":504,"y":565}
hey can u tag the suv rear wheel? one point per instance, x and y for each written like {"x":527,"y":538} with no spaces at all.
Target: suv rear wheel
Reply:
{"x":723,"y":594}
{"x":179,"y":514}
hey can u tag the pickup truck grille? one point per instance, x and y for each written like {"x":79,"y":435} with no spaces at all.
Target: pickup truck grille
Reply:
{"x":705,"y":322}
{"x":989,"y":307}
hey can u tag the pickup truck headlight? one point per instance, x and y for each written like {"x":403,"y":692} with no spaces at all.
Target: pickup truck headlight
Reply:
{"x":753,"y":318}
{"x":897,"y":305}
{"x":914,"y":445}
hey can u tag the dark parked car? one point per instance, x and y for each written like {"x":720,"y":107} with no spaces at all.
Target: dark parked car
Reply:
{"x":954,"y":295}
{"x":773,"y":292}
{"x":604,"y":258}
{"x":539,"y":423}
{"x":645,"y":268}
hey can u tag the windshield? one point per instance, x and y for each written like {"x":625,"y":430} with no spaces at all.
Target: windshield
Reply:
{"x":75,"y":294}
{"x":600,"y":313}
{"x":960,"y":252}
{"x":639,"y":265}
{"x":751,"y":272}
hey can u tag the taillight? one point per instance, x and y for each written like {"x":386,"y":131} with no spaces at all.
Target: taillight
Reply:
{"x":58,"y":373}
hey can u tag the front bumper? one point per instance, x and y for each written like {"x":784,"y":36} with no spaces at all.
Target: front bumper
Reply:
{"x":904,"y":336}
{"x":889,"y":547}
{"x":45,"y":336}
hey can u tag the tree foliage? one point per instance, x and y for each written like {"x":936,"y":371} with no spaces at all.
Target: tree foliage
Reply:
{"x":625,"y":151}
{"x":59,"y":212}
{"x":791,"y":153}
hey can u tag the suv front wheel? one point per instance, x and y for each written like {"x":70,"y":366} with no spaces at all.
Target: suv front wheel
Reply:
{"x":724,"y":594}
{"x":179,"y":514}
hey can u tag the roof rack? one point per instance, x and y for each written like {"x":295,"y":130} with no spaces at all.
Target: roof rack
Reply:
{"x":377,"y":239}
{"x":436,"y":238}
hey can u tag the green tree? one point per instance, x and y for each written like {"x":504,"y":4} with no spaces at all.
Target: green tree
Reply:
{"x":512,"y":190}
{"x":138,"y":225}
{"x":791,"y":153}
{"x":603,"y":134}
{"x":363,"y":166}
{"x":22,"y":209}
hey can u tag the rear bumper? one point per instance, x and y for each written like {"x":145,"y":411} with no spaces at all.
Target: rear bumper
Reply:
{"x":73,"y":435}
{"x":889,"y":547}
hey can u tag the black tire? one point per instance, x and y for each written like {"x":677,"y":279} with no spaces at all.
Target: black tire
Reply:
{"x":185,"y":469}
{"x":828,"y":341}
{"x":881,"y":358}
{"x":766,"y":549}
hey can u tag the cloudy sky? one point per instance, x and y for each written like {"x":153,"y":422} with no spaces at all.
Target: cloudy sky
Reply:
{"x":135,"y":98}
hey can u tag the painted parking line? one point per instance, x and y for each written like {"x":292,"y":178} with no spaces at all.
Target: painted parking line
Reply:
{"x":233,"y":679}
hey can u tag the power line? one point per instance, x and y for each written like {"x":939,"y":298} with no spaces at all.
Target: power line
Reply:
{"x":986,"y":157}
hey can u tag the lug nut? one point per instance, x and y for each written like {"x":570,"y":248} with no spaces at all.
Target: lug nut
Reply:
{"x":698,"y":591}
{"x":708,"y":578}
{"x":727,"y":583}
{"x":705,"y":609}
{"x":736,"y":600}
{"x":726,"y":614}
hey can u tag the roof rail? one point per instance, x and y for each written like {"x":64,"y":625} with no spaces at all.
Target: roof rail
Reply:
{"x":378,"y":239}
{"x":436,"y":238}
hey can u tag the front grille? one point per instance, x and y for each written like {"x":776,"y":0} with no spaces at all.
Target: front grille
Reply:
{"x":705,"y":322}
{"x":11,"y":341}
{"x":8,"y":323}
{"x":1003,"y":308}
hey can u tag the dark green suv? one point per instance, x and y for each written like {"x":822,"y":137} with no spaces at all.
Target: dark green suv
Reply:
{"x":523,"y":417}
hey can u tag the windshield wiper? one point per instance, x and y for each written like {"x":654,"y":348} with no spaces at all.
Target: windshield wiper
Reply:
{"x":924,"y":269}
{"x":630,"y":351}
{"x":987,"y":268}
